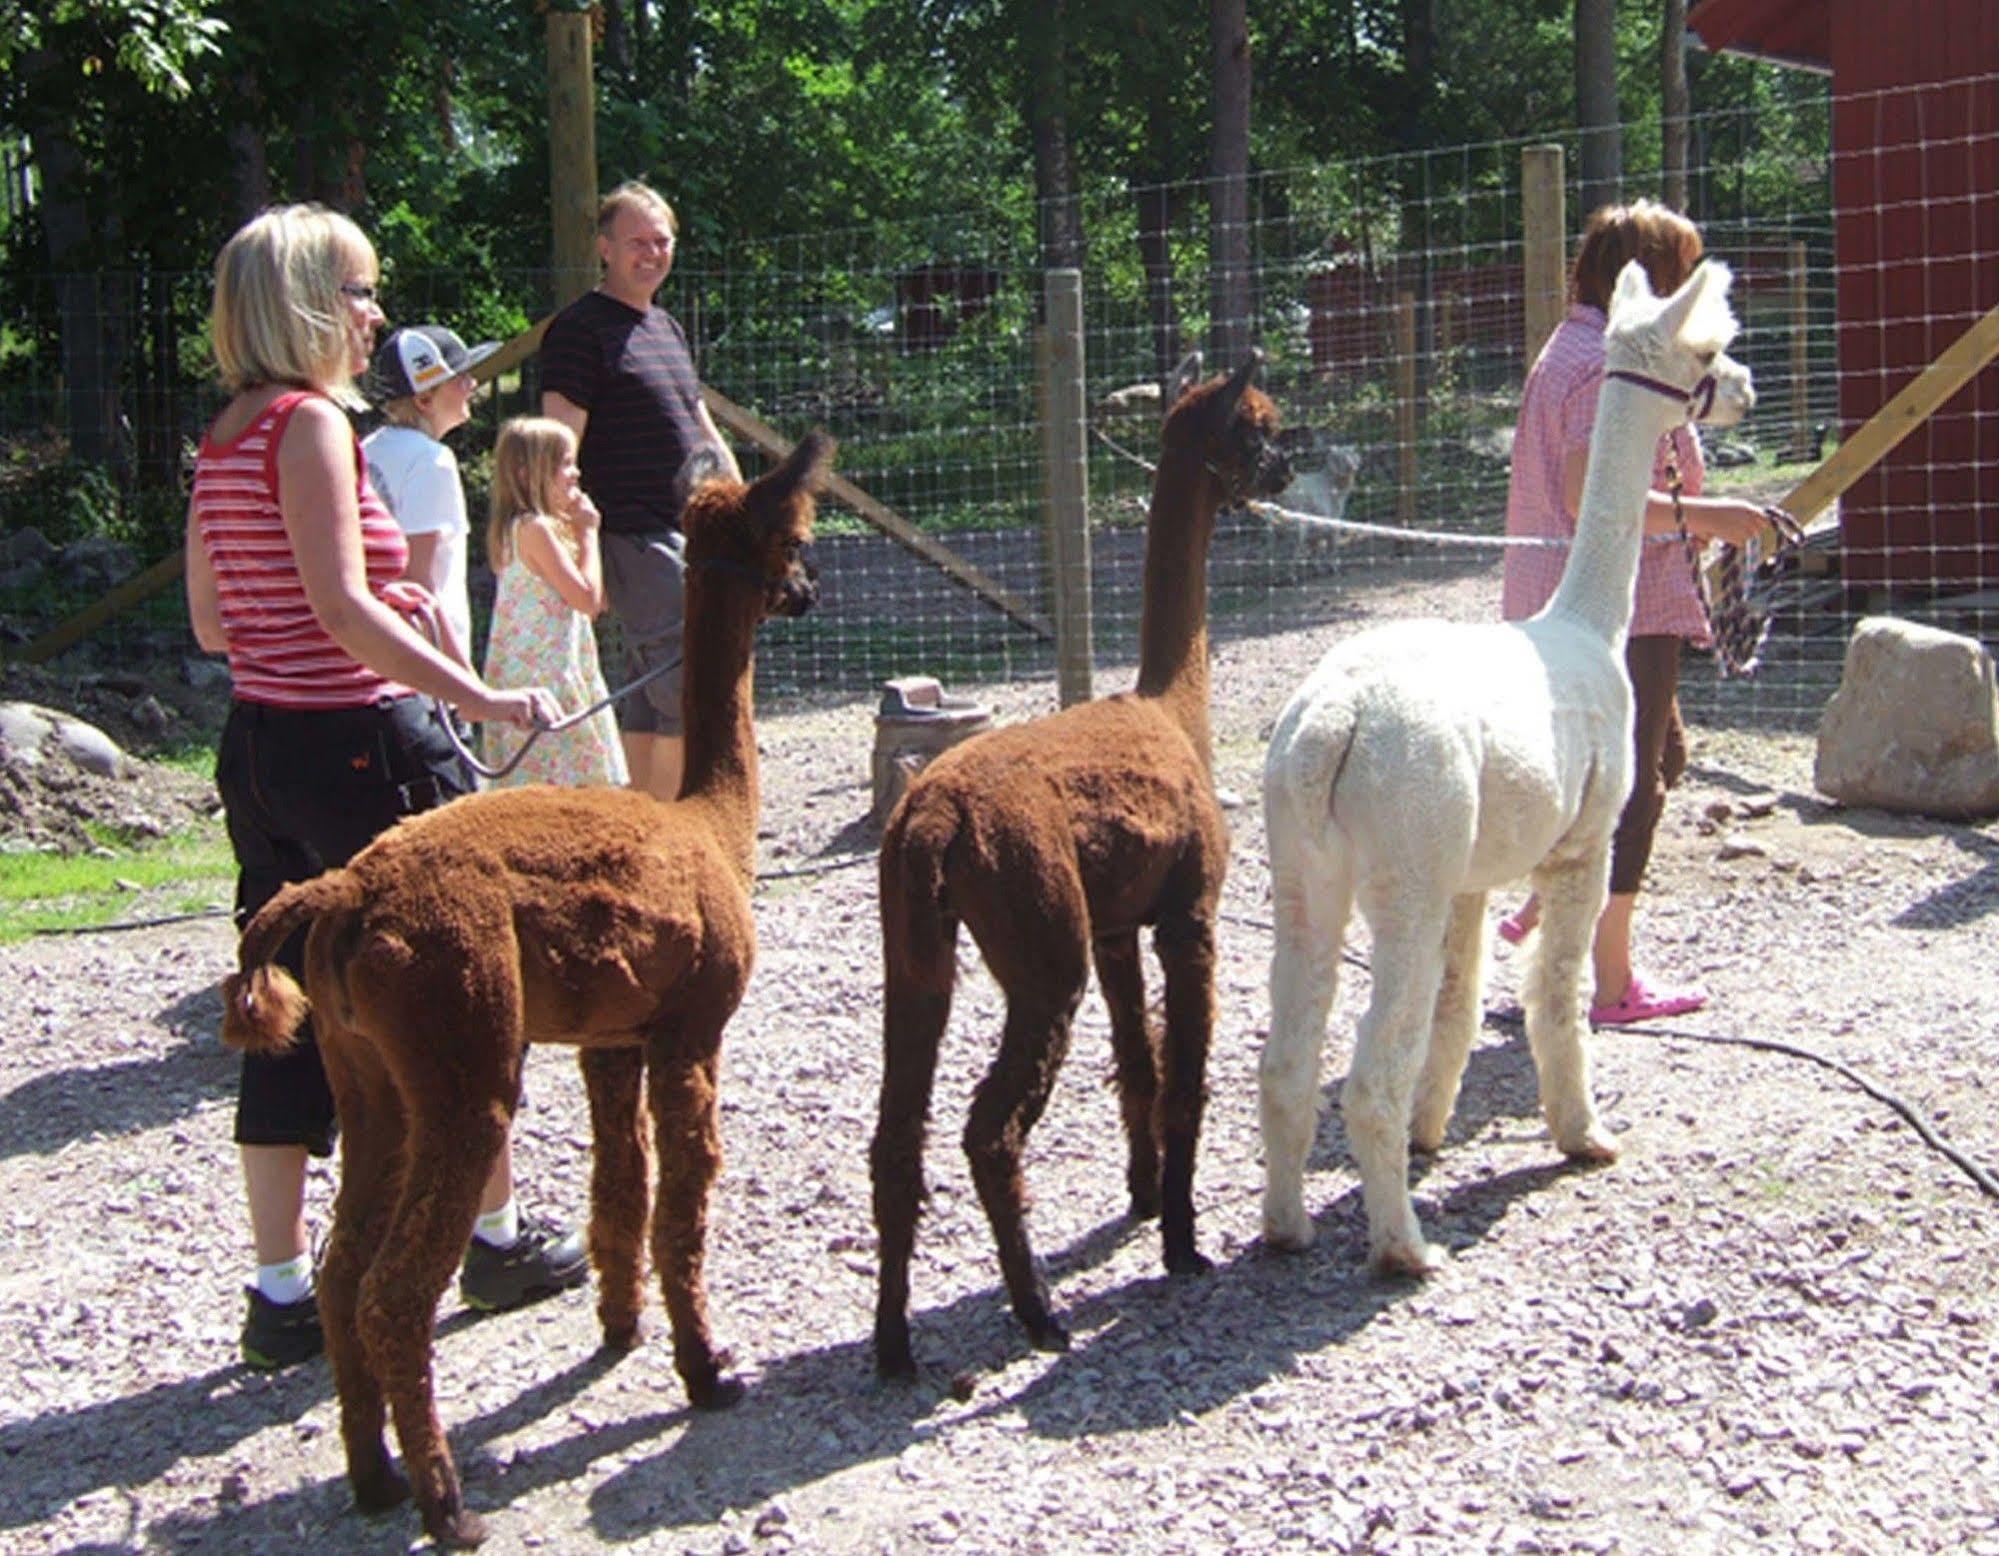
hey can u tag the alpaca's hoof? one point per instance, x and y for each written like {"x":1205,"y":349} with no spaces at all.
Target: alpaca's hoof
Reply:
{"x":380,"y":1489}
{"x":1188,"y":1261}
{"x":1145,"y":1203}
{"x":725,"y":1391}
{"x":1596,"y":1145}
{"x":894,"y":1366}
{"x":1425,"y":1140}
{"x":1288,"y":1231}
{"x":1408,"y":1261}
{"x":1045,"y":1334}
{"x":621,"y":1339}
{"x":456,"y":1529}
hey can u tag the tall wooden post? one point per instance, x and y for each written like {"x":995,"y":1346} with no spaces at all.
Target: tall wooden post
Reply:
{"x":1066,"y":456}
{"x":572,"y":151}
{"x":1544,"y":222}
{"x":1801,"y":321}
{"x":1405,"y":410}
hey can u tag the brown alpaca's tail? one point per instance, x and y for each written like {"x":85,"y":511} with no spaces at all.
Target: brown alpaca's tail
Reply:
{"x":262,"y":1004}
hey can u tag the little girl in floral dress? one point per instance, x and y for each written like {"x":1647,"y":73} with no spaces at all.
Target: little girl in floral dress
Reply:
{"x":542,"y":542}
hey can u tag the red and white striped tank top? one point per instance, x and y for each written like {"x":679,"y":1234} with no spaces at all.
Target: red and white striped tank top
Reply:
{"x":278,"y":652}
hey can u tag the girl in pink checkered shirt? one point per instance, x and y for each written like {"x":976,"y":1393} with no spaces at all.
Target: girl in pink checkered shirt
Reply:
{"x":1550,"y":453}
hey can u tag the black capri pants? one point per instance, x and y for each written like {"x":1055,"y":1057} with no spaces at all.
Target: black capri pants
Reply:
{"x":304,"y":792}
{"x":1660,"y":758}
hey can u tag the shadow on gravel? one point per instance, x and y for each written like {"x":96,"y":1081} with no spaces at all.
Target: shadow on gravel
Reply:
{"x":50,"y":1111}
{"x":1144,"y":1355}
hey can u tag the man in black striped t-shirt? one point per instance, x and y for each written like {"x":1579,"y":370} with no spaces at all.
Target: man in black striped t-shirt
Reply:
{"x":615,"y":367}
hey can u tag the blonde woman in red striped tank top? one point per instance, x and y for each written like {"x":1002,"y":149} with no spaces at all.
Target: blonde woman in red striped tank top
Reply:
{"x":331,"y":737}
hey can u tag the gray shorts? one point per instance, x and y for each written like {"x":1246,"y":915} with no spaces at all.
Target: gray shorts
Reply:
{"x":643,"y":582}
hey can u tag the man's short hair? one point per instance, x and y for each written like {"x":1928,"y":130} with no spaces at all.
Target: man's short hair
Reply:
{"x":634,"y":195}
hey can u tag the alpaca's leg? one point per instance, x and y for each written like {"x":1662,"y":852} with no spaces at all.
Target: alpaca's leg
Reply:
{"x":452,"y":1145}
{"x":620,"y":1188}
{"x":1572,"y":896}
{"x":371,"y":1130}
{"x":1388,"y":1051}
{"x":1455,"y":1025}
{"x":1311,"y":917}
{"x":689,"y":1142}
{"x":1135,"y":1053}
{"x":1186,"y":948}
{"x":916,"y":1005}
{"x":1005,"y":1108}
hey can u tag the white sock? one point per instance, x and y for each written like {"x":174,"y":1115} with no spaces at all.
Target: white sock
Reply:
{"x":500,"y":1228}
{"x":288,"y":1282}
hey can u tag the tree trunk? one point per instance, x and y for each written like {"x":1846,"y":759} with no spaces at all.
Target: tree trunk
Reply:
{"x":1044,"y":38}
{"x":617,"y":40}
{"x":88,"y":305}
{"x":1419,"y":70}
{"x":1602,"y":161}
{"x":1229,"y":324}
{"x":1673,"y":105}
{"x":1155,"y":254}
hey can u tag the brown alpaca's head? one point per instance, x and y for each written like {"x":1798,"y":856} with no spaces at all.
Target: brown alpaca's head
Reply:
{"x":1230,"y":426}
{"x":757,"y":534}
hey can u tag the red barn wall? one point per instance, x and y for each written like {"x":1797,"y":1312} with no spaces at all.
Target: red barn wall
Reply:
{"x":1916,"y":191}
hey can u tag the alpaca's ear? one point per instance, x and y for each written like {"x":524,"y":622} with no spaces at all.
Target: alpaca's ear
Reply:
{"x":806,"y":467}
{"x":1632,"y":284}
{"x":1239,"y":380}
{"x":1185,"y":377}
{"x":1699,"y":309}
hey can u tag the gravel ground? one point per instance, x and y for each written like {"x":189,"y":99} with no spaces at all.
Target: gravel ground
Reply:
{"x":1771,"y":1326}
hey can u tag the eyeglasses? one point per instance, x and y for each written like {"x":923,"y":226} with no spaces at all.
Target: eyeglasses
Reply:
{"x":360,"y":291}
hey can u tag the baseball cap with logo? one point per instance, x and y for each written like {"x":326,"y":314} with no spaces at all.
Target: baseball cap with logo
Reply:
{"x":419,"y":359}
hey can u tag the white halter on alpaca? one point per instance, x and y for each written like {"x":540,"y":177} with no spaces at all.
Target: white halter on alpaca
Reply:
{"x":1424,"y":763}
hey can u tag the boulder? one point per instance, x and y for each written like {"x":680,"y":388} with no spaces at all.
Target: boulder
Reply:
{"x":31,"y":735}
{"x":1914,"y":725}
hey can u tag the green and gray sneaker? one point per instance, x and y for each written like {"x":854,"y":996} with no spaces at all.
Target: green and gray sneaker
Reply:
{"x":277,"y":1335}
{"x":541,"y":1261}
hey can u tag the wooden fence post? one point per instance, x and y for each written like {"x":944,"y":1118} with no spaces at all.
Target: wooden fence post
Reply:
{"x":1405,"y":410}
{"x":572,"y":154}
{"x":1066,"y":460}
{"x":1544,"y":222}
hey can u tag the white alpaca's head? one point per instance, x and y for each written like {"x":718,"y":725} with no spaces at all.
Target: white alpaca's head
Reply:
{"x":1681,"y":341}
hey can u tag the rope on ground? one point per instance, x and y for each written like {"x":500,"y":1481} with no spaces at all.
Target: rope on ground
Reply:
{"x":1927,"y":1132}
{"x":130,"y":923}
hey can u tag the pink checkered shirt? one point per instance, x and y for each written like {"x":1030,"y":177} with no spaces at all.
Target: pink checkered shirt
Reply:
{"x":1557,"y":411}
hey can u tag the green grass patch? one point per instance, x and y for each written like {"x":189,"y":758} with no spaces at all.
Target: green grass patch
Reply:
{"x":185,"y":873}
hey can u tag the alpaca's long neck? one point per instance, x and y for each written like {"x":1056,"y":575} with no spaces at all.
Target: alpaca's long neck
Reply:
{"x":1173,"y":618}
{"x":1602,"y":568}
{"x":718,"y":712}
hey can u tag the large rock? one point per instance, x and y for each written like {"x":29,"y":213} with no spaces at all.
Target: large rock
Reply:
{"x":1914,"y":725}
{"x":31,"y":735}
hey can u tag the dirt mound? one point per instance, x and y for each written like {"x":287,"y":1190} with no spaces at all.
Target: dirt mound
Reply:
{"x":77,"y":760}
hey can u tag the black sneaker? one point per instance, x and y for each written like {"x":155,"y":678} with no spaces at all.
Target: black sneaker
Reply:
{"x":542,"y":1260}
{"x":277,"y":1335}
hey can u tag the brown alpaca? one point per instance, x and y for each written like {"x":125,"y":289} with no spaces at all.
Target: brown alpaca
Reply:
{"x":598,"y":917}
{"x":1053,"y":842}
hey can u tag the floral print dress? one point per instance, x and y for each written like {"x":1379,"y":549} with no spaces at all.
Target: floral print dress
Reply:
{"x":537,"y":640}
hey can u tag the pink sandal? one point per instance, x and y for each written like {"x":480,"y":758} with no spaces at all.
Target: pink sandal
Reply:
{"x":1642,"y":1002}
{"x":1516,"y":926}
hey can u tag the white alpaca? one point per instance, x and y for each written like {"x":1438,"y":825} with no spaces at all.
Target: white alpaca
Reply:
{"x":1424,"y":763}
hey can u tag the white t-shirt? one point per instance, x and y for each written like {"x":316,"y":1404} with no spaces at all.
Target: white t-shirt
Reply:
{"x":417,"y":476}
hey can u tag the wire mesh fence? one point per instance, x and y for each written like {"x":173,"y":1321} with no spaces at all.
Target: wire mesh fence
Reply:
{"x":1387,"y":295}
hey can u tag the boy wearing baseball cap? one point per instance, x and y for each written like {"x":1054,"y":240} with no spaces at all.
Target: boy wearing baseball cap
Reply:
{"x":421,"y":381}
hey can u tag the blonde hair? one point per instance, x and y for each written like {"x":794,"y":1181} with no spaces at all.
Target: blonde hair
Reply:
{"x":634,"y":195}
{"x":527,"y":468}
{"x":278,"y":315}
{"x":1657,"y":236}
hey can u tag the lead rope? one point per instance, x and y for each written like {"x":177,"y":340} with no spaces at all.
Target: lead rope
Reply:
{"x":425,"y":615}
{"x":1737,"y":626}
